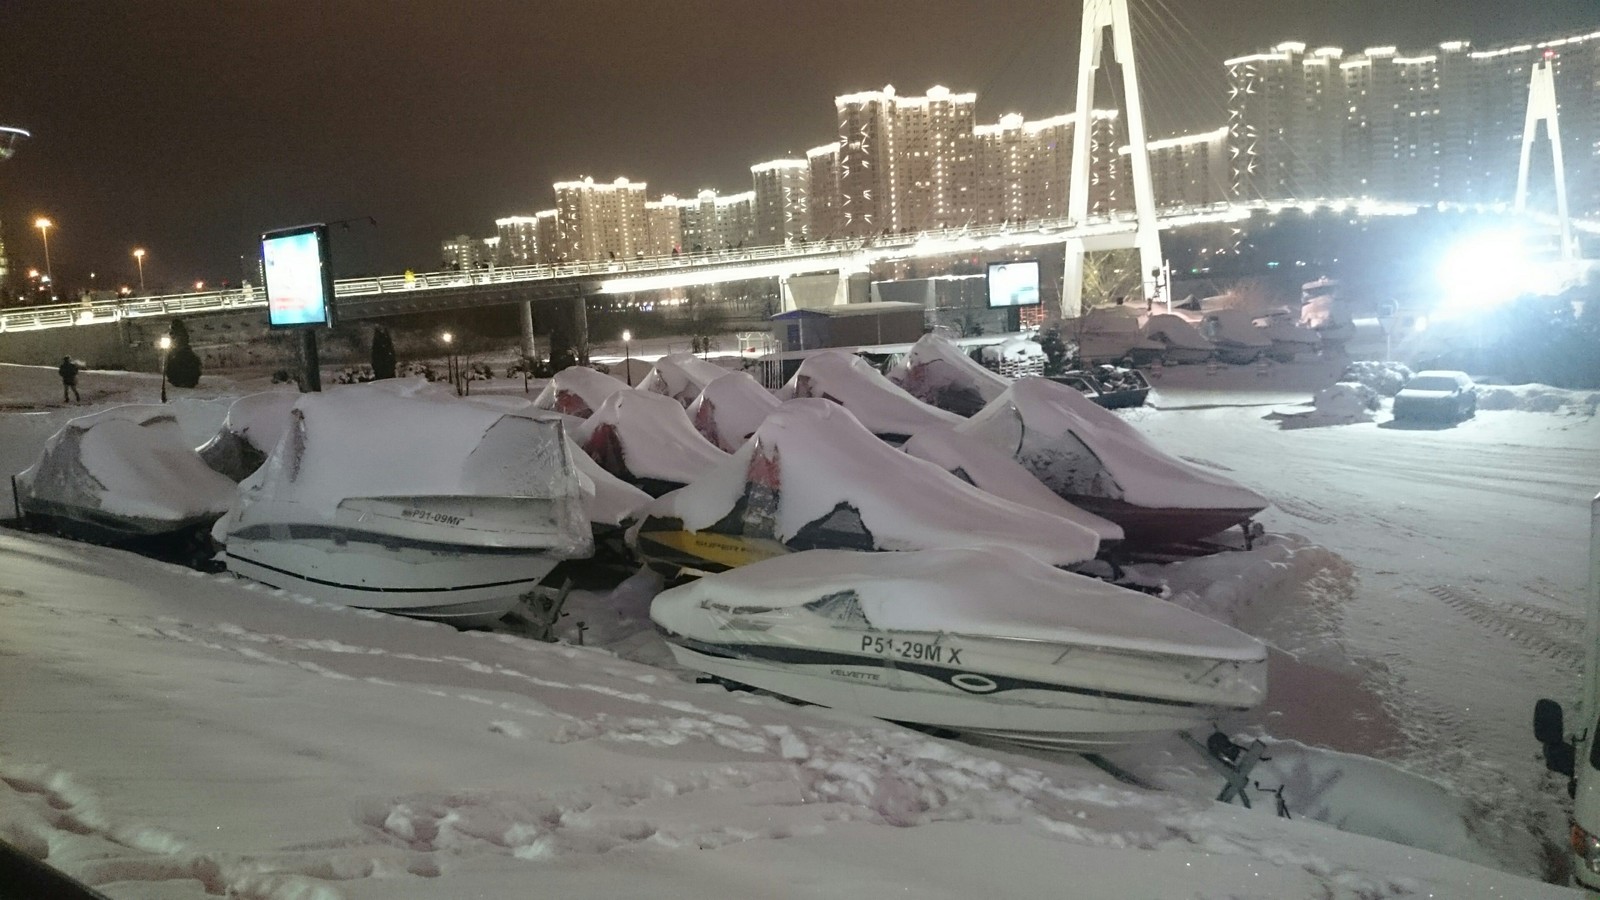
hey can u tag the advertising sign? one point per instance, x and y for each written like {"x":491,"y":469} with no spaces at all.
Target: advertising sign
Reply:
{"x":1014,"y":283}
{"x":299,"y":279}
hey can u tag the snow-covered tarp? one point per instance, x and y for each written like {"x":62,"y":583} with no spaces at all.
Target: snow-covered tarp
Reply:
{"x":409,"y":441}
{"x":878,"y":403}
{"x":813,"y":469}
{"x":1082,"y":451}
{"x":1343,"y":403}
{"x":646,"y":439}
{"x":730,"y":409}
{"x":1234,"y":329}
{"x":125,"y":470}
{"x":972,"y":459}
{"x":253,"y":426}
{"x":608,"y":501}
{"x":939,"y":373}
{"x":681,"y":376}
{"x":1281,"y":326}
{"x":578,"y":391}
{"x":1176,"y":333}
{"x":990,"y":591}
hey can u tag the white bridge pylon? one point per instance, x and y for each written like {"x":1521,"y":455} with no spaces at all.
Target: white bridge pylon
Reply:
{"x":1146,"y":238}
{"x":1542,"y":108}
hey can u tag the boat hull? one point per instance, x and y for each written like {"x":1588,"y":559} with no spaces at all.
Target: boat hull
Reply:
{"x":465,"y":586}
{"x":1146,"y":527}
{"x":1026,"y":692}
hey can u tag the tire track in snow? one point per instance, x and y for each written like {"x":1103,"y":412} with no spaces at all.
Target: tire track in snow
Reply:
{"x":1551,"y":634}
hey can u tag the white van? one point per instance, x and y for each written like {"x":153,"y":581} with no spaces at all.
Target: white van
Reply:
{"x":1576,"y":753}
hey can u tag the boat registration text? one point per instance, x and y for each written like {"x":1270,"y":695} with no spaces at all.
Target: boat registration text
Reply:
{"x":915,"y":650}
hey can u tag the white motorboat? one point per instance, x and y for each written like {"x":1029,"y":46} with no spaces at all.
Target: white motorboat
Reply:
{"x":468,"y":509}
{"x":984,"y":641}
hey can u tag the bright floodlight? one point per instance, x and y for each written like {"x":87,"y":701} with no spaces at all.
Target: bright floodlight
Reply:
{"x":1486,"y":270}
{"x":165,"y":342}
{"x":42,"y":222}
{"x":626,"y":336}
{"x":447,"y":337}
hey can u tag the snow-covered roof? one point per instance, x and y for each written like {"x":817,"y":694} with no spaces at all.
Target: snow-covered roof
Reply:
{"x":852,"y":382}
{"x":647,"y":435}
{"x":991,"y":470}
{"x":681,"y":376}
{"x":991,"y":591}
{"x":1076,"y":447}
{"x":578,"y":391}
{"x":820,"y":456}
{"x":127,"y":461}
{"x":730,"y":409}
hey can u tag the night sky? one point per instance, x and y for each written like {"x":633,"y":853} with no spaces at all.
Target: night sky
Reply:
{"x":187,"y":127}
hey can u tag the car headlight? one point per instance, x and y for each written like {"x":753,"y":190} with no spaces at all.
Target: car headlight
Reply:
{"x":1586,"y":847}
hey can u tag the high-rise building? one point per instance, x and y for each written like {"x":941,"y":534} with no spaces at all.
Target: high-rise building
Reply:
{"x":825,"y":219}
{"x":1422,"y":127}
{"x":464,"y":254}
{"x":1191,"y":170}
{"x":782,"y":188}
{"x":1023,"y":167}
{"x":665,"y":218}
{"x":519,"y":240}
{"x":546,"y":236}
{"x":600,"y":221}
{"x":905,"y":163}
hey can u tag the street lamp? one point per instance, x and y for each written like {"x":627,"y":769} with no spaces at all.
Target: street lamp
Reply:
{"x":627,"y":354}
{"x":165,"y":343}
{"x":450,"y":360}
{"x":138,"y":255}
{"x":44,"y":225}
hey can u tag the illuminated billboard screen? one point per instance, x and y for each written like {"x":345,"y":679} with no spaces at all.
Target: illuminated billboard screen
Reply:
{"x":299,"y":279}
{"x":1014,"y":284}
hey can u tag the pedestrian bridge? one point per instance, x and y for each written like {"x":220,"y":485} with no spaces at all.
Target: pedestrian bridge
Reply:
{"x":389,"y":295}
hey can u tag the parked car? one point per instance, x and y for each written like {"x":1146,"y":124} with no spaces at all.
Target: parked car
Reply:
{"x":1437,"y":394}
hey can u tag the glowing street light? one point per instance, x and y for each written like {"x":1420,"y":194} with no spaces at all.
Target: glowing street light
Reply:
{"x":44,"y":225}
{"x":165,"y":343}
{"x":138,"y":255}
{"x":450,"y":360}
{"x":627,"y":354}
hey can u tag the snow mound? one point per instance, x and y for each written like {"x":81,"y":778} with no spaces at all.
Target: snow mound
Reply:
{"x":1344,"y":403}
{"x":938,"y":373}
{"x":577,"y":391}
{"x":813,"y":469}
{"x":1387,"y":378}
{"x":681,"y":376}
{"x":730,"y":409}
{"x":130,"y":468}
{"x":1228,"y":587}
{"x":990,"y":591}
{"x":878,"y":403}
{"x":1077,"y":448}
{"x":646,"y":439}
{"x":1538,"y":398}
{"x":990,"y":470}
{"x":254,"y":425}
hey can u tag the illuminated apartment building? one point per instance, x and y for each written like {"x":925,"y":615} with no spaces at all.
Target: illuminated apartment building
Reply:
{"x":905,"y":163}
{"x":824,"y":218}
{"x":519,"y":240}
{"x":782,"y":188}
{"x":1023,"y":168}
{"x":600,"y":221}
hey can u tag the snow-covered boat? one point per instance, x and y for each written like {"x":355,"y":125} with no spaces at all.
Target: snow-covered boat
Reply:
{"x":1289,"y":337}
{"x":1104,"y":465}
{"x":985,"y":641}
{"x":1110,"y":334}
{"x":410,"y":504}
{"x":939,"y":373}
{"x":1183,"y":341}
{"x":578,"y":391}
{"x":813,"y":477}
{"x":884,"y":407}
{"x":681,"y":376}
{"x":730,"y":409}
{"x":1236,"y":338}
{"x":251,"y":429}
{"x":122,"y":476}
{"x":647,"y":440}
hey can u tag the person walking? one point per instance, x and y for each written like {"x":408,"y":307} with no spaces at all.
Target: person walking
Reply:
{"x":69,"y":380}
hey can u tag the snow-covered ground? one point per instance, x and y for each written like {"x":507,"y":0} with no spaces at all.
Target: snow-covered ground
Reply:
{"x":165,"y":733}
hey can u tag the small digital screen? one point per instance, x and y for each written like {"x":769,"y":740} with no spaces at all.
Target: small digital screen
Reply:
{"x":299,"y":284}
{"x":1014,"y":283}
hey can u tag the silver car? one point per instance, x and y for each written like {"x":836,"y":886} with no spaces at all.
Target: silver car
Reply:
{"x":1437,"y":395}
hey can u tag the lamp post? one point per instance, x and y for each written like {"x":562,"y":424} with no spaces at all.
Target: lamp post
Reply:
{"x":44,"y":225}
{"x":165,"y":343}
{"x":138,"y":256}
{"x":450,"y":360}
{"x":627,"y":355}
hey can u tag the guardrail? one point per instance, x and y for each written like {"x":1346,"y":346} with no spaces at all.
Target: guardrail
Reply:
{"x":62,"y":315}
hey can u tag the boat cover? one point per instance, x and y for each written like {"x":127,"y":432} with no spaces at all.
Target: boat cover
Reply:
{"x":938,"y":373}
{"x":878,"y":403}
{"x":647,"y":439}
{"x":254,"y":425}
{"x":681,"y":376}
{"x":992,"y":591}
{"x":730,"y":409}
{"x":578,"y":391}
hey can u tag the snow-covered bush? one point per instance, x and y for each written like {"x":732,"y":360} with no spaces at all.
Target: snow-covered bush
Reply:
{"x":355,"y":375}
{"x":479,"y":371}
{"x":413,"y":369}
{"x":1387,"y":378}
